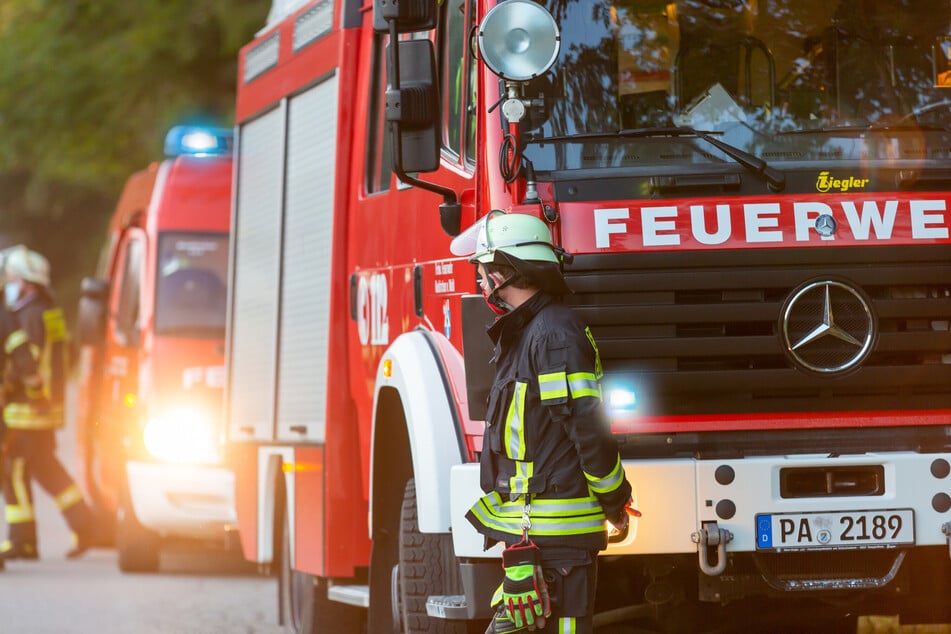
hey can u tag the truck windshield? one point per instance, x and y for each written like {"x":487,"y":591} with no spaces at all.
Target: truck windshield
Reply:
{"x":785,"y":80}
{"x":191,"y":288}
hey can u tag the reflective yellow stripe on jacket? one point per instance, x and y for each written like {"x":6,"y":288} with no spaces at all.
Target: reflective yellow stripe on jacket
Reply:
{"x":556,"y":386}
{"x":514,"y":439}
{"x":15,"y":339}
{"x":23,"y":416}
{"x":608,"y":483}
{"x":575,"y":516}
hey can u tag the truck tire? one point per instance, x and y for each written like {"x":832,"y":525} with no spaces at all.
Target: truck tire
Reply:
{"x":303,"y":605}
{"x":426,"y":567}
{"x":137,"y":546}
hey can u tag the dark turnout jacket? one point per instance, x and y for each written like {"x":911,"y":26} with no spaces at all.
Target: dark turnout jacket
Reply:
{"x":42,"y":326}
{"x":547,"y":434}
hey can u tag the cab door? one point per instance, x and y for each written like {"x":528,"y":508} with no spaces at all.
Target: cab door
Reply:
{"x":120,"y":382}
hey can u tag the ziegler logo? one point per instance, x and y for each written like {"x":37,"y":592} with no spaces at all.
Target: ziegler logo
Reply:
{"x":825,"y":183}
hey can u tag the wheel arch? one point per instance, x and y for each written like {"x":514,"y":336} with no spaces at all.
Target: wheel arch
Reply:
{"x":274,"y":495}
{"x":414,"y":400}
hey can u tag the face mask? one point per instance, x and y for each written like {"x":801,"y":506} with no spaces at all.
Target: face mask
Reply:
{"x":496,"y":304}
{"x":11,"y":293}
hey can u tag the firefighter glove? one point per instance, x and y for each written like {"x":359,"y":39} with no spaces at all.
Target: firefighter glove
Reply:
{"x":626,"y":514}
{"x":524,"y":591}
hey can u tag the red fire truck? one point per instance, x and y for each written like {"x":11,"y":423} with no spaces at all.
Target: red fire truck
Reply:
{"x":151,"y":328}
{"x":755,"y":196}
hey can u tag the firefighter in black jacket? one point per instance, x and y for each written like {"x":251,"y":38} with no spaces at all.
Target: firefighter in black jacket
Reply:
{"x":34,"y":409}
{"x":15,"y":351}
{"x":550,"y":466}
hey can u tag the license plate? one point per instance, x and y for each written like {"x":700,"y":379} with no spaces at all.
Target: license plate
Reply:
{"x":835,"y":530}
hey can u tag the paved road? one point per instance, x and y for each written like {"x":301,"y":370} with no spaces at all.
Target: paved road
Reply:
{"x":194,"y":593}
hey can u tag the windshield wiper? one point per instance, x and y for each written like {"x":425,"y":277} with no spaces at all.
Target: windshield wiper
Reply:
{"x":754,"y":164}
{"x":871,"y":127}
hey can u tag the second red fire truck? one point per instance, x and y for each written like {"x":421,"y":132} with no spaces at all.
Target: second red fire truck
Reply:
{"x":755,"y":195}
{"x":152,"y":326}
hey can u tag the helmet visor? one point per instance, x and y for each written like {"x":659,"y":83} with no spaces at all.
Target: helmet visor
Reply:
{"x":476,"y":241}
{"x":465,"y":242}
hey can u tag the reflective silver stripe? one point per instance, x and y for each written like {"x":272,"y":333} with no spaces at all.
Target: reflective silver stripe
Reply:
{"x":549,"y":517}
{"x":567,"y":625}
{"x":609,"y":482}
{"x":552,"y":386}
{"x":22,"y":416}
{"x":523,"y":473}
{"x":15,"y":514}
{"x":496,"y":597}
{"x":16,"y":339}
{"x":68,"y":497}
{"x":566,"y":507}
{"x":515,"y":425}
{"x":22,"y":511}
{"x":17,"y":414}
{"x":584,"y":384}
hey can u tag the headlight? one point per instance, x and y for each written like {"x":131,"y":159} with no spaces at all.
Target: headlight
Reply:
{"x":519,"y":40}
{"x":183,"y":436}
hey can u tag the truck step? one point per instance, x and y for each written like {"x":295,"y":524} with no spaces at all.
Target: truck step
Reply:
{"x":447,"y":606}
{"x":351,"y":595}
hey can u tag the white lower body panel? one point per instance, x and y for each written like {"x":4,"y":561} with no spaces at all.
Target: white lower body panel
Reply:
{"x":194,"y":502}
{"x":678,"y":496}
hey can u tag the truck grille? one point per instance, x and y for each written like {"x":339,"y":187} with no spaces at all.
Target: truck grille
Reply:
{"x":700,"y":333}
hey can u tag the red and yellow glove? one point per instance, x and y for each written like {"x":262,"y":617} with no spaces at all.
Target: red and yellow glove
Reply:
{"x":524,"y":591}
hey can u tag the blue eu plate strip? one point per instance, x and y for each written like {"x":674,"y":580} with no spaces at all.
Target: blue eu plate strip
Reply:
{"x":764,"y":531}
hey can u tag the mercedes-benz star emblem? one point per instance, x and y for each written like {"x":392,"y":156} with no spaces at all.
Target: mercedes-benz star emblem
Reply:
{"x":827,"y":326}
{"x":825,"y":225}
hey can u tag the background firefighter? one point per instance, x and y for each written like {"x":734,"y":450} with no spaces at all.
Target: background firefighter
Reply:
{"x":34,"y":409}
{"x":550,"y":467}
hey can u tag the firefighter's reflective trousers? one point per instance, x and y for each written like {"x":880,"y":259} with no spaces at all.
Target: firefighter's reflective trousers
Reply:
{"x":31,"y":455}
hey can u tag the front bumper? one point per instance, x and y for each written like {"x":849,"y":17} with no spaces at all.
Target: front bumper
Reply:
{"x":195,"y":502}
{"x":679,"y":497}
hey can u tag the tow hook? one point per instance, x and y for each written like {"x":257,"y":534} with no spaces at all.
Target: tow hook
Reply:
{"x":711,"y":536}
{"x":946,"y":529}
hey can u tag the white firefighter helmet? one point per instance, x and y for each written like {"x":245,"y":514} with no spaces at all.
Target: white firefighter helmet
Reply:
{"x":518,"y":235}
{"x":27,"y":265}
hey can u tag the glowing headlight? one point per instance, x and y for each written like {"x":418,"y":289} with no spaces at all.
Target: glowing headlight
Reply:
{"x":184,"y":436}
{"x":519,"y":40}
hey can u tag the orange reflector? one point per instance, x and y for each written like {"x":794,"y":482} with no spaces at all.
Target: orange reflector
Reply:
{"x":387,"y":368}
{"x":299,"y":467}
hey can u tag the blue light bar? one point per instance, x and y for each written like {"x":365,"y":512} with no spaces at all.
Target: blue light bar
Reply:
{"x":198,"y":141}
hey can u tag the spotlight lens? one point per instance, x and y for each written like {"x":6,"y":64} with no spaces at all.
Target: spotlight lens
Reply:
{"x":519,"y":40}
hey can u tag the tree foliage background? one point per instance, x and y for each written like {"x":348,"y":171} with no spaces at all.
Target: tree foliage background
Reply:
{"x":88,"y":89}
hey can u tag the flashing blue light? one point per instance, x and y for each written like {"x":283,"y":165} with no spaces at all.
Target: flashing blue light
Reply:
{"x":197,"y":141}
{"x":620,"y":400}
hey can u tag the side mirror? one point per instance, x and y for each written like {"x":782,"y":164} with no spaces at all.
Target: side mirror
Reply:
{"x":91,"y":327}
{"x":412,"y":101}
{"x":414,"y":106}
{"x":409,"y":15}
